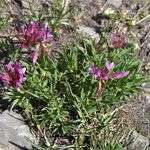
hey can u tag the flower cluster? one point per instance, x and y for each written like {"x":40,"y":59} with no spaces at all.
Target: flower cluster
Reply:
{"x":14,"y":75}
{"x":118,"y":40}
{"x":32,"y":33}
{"x":103,"y":74}
{"x":35,"y":34}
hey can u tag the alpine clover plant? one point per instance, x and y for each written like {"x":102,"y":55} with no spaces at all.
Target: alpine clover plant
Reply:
{"x":35,"y":35}
{"x":60,"y":96}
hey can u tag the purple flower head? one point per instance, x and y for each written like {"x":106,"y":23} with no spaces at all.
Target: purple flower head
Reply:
{"x":33,"y":33}
{"x":118,"y":41}
{"x":95,"y":71}
{"x":103,"y":74}
{"x":13,"y":76}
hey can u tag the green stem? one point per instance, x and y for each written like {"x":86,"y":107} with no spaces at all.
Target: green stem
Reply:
{"x":142,"y":20}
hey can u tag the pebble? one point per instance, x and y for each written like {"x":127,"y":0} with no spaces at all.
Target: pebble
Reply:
{"x":89,"y":32}
{"x":140,"y":142}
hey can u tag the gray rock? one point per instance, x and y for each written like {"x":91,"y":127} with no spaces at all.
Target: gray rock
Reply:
{"x":148,"y":100}
{"x":14,"y":134}
{"x":111,"y":4}
{"x":88,"y":32}
{"x":146,"y":87}
{"x":27,"y":4}
{"x":140,"y":142}
{"x":115,"y":3}
{"x":147,"y":113}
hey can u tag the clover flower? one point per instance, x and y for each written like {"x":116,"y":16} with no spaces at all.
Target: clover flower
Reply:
{"x":13,"y":75}
{"x":118,"y":40}
{"x":103,"y":74}
{"x":35,"y":34}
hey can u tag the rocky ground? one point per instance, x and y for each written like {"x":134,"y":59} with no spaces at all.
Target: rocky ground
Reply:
{"x":88,"y":21}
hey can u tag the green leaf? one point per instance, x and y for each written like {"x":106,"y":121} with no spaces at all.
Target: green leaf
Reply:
{"x":4,"y":21}
{"x":14,"y":103}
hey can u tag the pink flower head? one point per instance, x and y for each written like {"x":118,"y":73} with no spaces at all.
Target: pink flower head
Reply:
{"x":35,"y":34}
{"x":103,"y":74}
{"x":13,"y":76}
{"x":118,"y":41}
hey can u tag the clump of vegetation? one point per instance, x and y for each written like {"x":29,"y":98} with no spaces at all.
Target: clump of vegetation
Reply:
{"x":72,"y":94}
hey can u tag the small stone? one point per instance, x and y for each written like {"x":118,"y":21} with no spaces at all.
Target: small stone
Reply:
{"x":148,"y":100}
{"x":148,"y":45}
{"x":147,"y":67}
{"x":147,"y":90}
{"x":89,"y":32}
{"x":115,"y":3}
{"x":146,"y":85}
{"x":147,"y":111}
{"x":140,"y":142}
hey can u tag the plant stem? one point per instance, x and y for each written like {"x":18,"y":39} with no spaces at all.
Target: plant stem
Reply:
{"x":142,"y":20}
